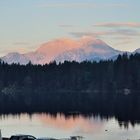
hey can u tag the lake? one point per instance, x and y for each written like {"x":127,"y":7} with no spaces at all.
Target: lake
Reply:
{"x":60,"y":126}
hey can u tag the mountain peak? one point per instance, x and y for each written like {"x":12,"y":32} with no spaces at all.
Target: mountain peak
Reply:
{"x":85,"y":48}
{"x":62,"y":43}
{"x":88,"y":38}
{"x":91,"y":41}
{"x":90,"y":48}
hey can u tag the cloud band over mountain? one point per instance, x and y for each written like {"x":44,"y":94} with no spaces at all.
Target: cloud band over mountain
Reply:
{"x":117,"y":24}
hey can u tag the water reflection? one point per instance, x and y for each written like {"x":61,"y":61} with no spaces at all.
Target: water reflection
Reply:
{"x":78,"y":123}
{"x":61,"y":126}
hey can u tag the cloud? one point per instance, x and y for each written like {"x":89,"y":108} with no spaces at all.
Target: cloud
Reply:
{"x":120,"y":37}
{"x":125,"y":32}
{"x":122,"y":32}
{"x":120,"y":25}
{"x":80,"y":5}
{"x":124,"y":38}
{"x":124,"y":42}
{"x":80,"y":34}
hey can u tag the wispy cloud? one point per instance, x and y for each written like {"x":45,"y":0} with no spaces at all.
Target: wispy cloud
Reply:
{"x":125,"y":32}
{"x":80,"y":5}
{"x":120,"y":37}
{"x":122,"y":32}
{"x":124,"y":42}
{"x":80,"y":34}
{"x":115,"y":25}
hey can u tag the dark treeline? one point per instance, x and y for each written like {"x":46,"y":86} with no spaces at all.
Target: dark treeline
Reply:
{"x":108,"y":88}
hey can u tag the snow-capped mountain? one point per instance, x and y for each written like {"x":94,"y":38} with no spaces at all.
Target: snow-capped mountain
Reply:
{"x":86,"y":48}
{"x":137,"y":50}
{"x":15,"y":58}
{"x":91,"y":49}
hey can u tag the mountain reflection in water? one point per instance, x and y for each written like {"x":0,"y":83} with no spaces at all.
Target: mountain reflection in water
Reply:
{"x":61,"y":126}
{"x":78,"y":123}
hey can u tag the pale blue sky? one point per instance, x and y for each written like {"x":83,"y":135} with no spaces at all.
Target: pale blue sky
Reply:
{"x":25,"y":24}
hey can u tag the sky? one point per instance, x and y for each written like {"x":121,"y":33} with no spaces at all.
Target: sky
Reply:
{"x":25,"y":24}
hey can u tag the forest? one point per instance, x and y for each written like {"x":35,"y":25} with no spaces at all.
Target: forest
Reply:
{"x":105,"y":87}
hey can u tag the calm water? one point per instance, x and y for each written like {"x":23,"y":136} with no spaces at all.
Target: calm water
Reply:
{"x":45,"y":125}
